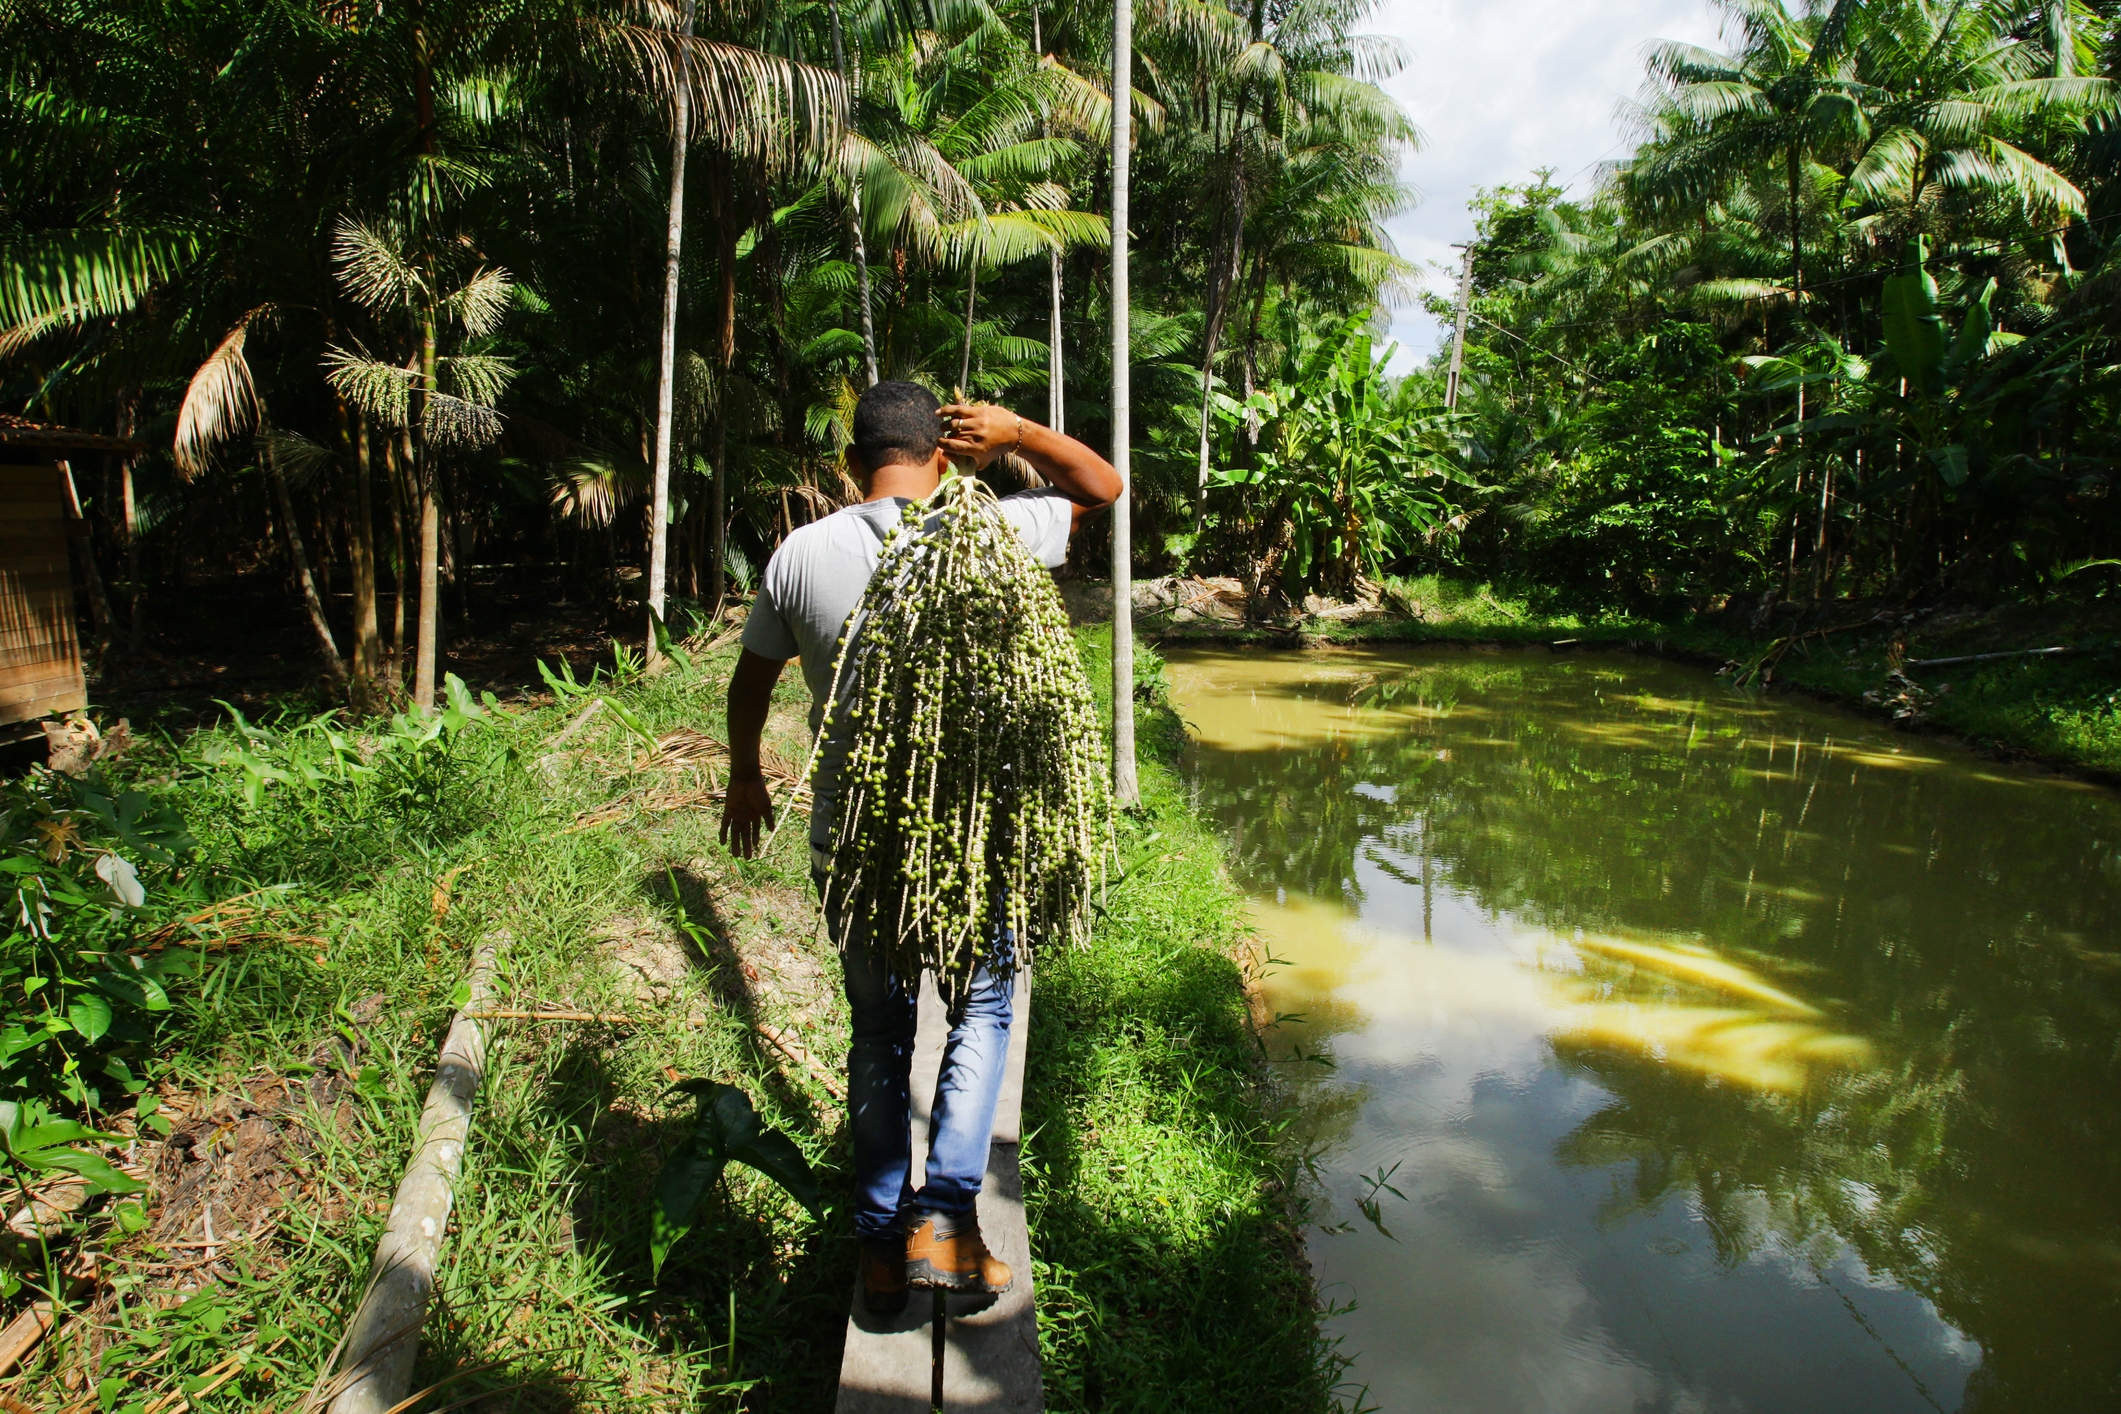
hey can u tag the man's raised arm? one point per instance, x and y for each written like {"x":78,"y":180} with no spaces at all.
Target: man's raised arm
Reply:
{"x":983,"y":432}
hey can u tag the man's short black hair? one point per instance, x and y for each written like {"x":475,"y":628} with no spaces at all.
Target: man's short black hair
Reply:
{"x":895,"y":422}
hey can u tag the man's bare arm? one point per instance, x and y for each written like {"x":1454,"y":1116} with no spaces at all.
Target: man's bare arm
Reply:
{"x":984,"y":433}
{"x":747,"y":804}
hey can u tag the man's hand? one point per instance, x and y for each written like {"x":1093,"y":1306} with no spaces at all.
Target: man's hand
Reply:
{"x":980,"y":432}
{"x":745,"y":806}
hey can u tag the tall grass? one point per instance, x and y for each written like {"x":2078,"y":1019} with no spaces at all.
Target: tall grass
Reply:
{"x":1170,"y":1275}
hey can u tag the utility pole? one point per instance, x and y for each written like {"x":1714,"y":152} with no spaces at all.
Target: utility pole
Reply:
{"x":1458,"y":335}
{"x":1126,"y":788}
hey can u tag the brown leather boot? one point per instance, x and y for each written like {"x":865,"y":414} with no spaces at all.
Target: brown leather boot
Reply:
{"x":884,"y":1277}
{"x":946,"y":1252}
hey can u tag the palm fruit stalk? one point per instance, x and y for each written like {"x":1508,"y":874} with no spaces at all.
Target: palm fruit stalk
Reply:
{"x":972,"y":795}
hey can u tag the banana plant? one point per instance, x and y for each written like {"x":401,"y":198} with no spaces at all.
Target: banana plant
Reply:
{"x":725,"y":1129}
{"x":1346,"y":475}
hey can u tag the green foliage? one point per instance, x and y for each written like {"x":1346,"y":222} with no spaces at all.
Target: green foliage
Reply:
{"x":1343,"y":476}
{"x":725,"y":1130}
{"x":417,"y":781}
{"x":1831,"y":322}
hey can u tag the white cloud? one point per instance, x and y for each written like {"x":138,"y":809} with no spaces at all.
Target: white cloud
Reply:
{"x":1501,"y":88}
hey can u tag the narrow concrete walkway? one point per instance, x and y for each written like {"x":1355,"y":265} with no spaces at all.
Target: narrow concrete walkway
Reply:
{"x":983,"y":1355}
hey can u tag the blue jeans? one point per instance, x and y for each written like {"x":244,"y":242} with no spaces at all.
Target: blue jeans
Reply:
{"x":879,"y":1065}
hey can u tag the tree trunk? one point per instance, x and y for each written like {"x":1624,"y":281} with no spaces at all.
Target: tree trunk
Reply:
{"x":334,"y":665}
{"x":1796,"y":175}
{"x":399,"y":460}
{"x":128,"y":425}
{"x":367,"y":645}
{"x":964,"y":367}
{"x":1222,"y":286}
{"x":666,"y":377}
{"x":424,"y":655}
{"x":854,"y":211}
{"x":1126,"y":786}
{"x":1056,"y":375}
{"x":718,"y":500}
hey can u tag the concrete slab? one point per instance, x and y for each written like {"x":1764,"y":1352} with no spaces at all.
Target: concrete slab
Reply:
{"x":987,"y":1357}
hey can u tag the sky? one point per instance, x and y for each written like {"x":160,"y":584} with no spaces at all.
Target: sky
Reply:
{"x":1499,"y":88}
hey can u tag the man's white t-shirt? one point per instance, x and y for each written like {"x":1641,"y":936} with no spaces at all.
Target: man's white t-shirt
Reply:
{"x":816,"y":579}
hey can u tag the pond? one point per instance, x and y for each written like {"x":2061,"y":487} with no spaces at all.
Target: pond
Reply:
{"x":1666,"y":1047}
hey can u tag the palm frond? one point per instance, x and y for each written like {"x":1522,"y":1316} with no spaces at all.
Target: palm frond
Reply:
{"x":484,"y":298}
{"x":380,"y":390}
{"x":373,"y":267}
{"x":220,"y":402}
{"x":55,"y":277}
{"x":448,"y":421}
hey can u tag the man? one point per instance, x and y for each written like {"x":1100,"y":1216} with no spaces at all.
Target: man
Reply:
{"x":902,"y":445}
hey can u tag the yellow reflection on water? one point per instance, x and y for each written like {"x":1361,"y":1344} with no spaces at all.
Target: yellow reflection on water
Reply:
{"x":1681,"y":1005}
{"x":1272,"y":703}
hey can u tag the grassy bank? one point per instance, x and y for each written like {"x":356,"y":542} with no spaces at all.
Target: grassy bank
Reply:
{"x":275,"y":1095}
{"x":2063,"y":711}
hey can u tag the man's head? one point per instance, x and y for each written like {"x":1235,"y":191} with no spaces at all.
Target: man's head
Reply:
{"x":895,"y":424}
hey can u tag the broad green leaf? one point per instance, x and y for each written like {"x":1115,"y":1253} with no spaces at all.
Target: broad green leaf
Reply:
{"x":90,"y":1015}
{"x":137,"y":990}
{"x":1972,"y":344}
{"x":687,"y":1175}
{"x":1914,"y":330}
{"x":775,"y":1155}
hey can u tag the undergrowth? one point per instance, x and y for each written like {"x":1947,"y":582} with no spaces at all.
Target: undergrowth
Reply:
{"x":291,"y":1063}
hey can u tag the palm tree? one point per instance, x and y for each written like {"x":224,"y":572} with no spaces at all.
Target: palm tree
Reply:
{"x":1957,"y":90}
{"x":666,"y":379}
{"x":1789,"y":95}
{"x":441,"y":401}
{"x":1126,"y":785}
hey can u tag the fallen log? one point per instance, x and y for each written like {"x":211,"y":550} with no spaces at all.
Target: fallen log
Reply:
{"x":1988,"y":657}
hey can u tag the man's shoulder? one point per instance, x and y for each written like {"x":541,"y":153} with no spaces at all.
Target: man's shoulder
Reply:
{"x":830,"y":532}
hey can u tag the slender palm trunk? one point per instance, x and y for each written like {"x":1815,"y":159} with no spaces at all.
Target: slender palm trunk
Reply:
{"x":128,"y":424}
{"x":718,"y":499}
{"x":399,"y":462}
{"x":964,"y":366}
{"x":1126,"y":787}
{"x":1056,"y":375}
{"x":367,"y":640}
{"x":1222,"y":288}
{"x":334,"y":665}
{"x":666,"y":378}
{"x":427,"y":649}
{"x":854,"y":210}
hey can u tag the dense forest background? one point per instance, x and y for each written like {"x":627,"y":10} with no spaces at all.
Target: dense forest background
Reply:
{"x":382,"y":289}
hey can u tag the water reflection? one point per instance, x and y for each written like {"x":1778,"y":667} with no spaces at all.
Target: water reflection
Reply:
{"x":1736,"y":1054}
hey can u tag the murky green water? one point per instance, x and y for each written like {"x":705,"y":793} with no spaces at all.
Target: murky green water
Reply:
{"x":1725,"y":1054}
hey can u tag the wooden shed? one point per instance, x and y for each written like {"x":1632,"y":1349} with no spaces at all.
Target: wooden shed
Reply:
{"x":40,"y":647}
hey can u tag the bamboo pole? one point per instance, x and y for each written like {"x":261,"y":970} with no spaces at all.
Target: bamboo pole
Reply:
{"x":376,"y":1355}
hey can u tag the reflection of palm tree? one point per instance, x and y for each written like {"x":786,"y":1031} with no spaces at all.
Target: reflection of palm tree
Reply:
{"x":1974,"y":1161}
